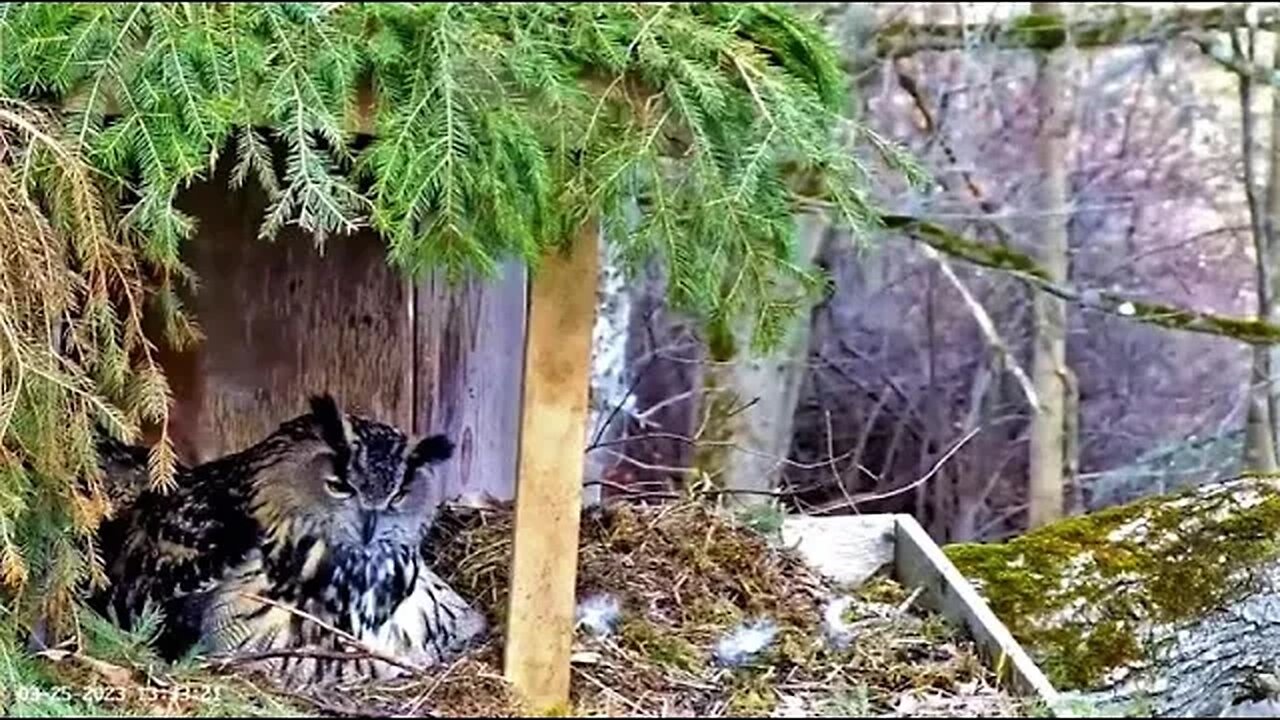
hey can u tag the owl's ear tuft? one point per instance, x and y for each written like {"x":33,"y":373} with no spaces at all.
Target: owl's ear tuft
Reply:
{"x":431,"y":450}
{"x":333,"y":426}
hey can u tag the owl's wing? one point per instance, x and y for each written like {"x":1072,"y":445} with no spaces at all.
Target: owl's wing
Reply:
{"x":167,"y":549}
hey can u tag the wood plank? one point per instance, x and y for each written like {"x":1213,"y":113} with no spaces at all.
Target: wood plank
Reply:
{"x":557,"y":375}
{"x":283,"y":321}
{"x":469,"y":360}
{"x":920,"y":563}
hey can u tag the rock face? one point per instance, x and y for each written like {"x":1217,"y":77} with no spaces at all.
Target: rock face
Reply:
{"x":1169,"y":605}
{"x":846,"y":552}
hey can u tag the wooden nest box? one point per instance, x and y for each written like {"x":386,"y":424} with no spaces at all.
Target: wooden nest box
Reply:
{"x":285,"y":319}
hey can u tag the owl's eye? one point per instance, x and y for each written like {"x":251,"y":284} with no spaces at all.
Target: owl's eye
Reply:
{"x":401,"y":494}
{"x":338,"y":488}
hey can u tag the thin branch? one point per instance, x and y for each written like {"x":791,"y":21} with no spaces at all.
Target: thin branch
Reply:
{"x":635,"y":382}
{"x":1248,"y":330}
{"x":223,"y":661}
{"x":1108,"y":26}
{"x":346,"y":637}
{"x":1234,"y":61}
{"x":695,"y":442}
{"x":831,"y":453}
{"x":986,"y":325}
{"x":868,"y":497}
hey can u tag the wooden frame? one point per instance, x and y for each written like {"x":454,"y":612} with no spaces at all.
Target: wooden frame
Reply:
{"x":850,"y":548}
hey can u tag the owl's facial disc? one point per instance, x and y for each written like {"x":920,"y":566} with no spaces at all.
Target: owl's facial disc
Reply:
{"x":380,"y":490}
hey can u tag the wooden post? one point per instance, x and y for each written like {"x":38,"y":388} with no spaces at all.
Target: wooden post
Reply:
{"x":557,"y":372}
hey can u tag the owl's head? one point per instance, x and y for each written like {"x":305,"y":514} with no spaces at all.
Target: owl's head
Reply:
{"x":351,"y":481}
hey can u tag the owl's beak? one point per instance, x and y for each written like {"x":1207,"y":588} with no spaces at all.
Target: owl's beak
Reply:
{"x":369,"y":528}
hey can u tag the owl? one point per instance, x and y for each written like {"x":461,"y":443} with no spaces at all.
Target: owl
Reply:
{"x":280,"y":550}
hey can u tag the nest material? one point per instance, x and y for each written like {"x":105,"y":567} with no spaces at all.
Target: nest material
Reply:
{"x":684,"y":575}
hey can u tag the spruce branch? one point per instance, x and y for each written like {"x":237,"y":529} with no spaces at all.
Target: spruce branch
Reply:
{"x":71,"y":341}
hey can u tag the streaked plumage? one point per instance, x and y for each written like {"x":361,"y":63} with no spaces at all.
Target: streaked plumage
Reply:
{"x":325,"y":517}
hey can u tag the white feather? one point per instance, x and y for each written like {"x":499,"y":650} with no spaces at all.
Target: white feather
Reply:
{"x":838,"y":632}
{"x":599,"y":614}
{"x":745,"y":642}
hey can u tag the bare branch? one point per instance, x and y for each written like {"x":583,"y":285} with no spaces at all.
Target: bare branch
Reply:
{"x":1103,"y":26}
{"x":1247,"y":330}
{"x":986,"y":325}
{"x":868,"y":497}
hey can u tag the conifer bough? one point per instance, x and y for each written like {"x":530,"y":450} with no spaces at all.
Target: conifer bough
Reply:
{"x":499,"y":128}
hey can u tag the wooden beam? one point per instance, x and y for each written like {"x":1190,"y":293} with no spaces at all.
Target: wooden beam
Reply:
{"x":920,"y":563}
{"x":467,"y":367}
{"x":557,"y":374}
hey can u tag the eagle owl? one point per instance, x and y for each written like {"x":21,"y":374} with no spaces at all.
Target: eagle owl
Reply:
{"x":322,"y":520}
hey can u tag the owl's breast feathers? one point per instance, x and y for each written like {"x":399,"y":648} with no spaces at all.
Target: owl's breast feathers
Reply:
{"x":385,"y":597}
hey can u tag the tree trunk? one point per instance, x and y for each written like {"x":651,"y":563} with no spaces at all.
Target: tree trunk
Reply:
{"x":1071,"y":444}
{"x":1260,"y":436}
{"x":662,"y":360}
{"x":1271,"y":227}
{"x":751,"y":442}
{"x":1169,"y":605}
{"x":1048,"y":426}
{"x":1259,"y":445}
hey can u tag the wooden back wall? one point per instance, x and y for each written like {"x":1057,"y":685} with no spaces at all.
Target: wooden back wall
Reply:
{"x":283,"y":320}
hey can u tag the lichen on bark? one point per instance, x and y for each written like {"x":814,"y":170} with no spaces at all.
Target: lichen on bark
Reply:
{"x":1092,"y":597}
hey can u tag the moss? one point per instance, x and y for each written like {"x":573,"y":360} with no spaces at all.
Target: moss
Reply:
{"x":1246,"y":330}
{"x":764,"y":518}
{"x":993,"y":256}
{"x":1039,"y":31}
{"x":882,"y":590}
{"x":1076,"y":592}
{"x":558,"y":710}
{"x":660,"y":645}
{"x":847,"y":702}
{"x":795,"y":647}
{"x":751,"y":694}
{"x":1254,"y":331}
{"x":720,"y":341}
{"x":723,"y":406}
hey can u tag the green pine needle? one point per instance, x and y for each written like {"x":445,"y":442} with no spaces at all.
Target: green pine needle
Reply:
{"x":499,"y":128}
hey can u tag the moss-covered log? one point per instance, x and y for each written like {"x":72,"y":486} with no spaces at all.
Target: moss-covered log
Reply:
{"x":1102,"y":26}
{"x":1170,"y":604}
{"x":1004,"y":259}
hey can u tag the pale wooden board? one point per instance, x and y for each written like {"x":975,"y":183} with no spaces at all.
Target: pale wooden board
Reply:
{"x":549,"y":490}
{"x":470,"y":357}
{"x":283,"y":321}
{"x":920,"y":563}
